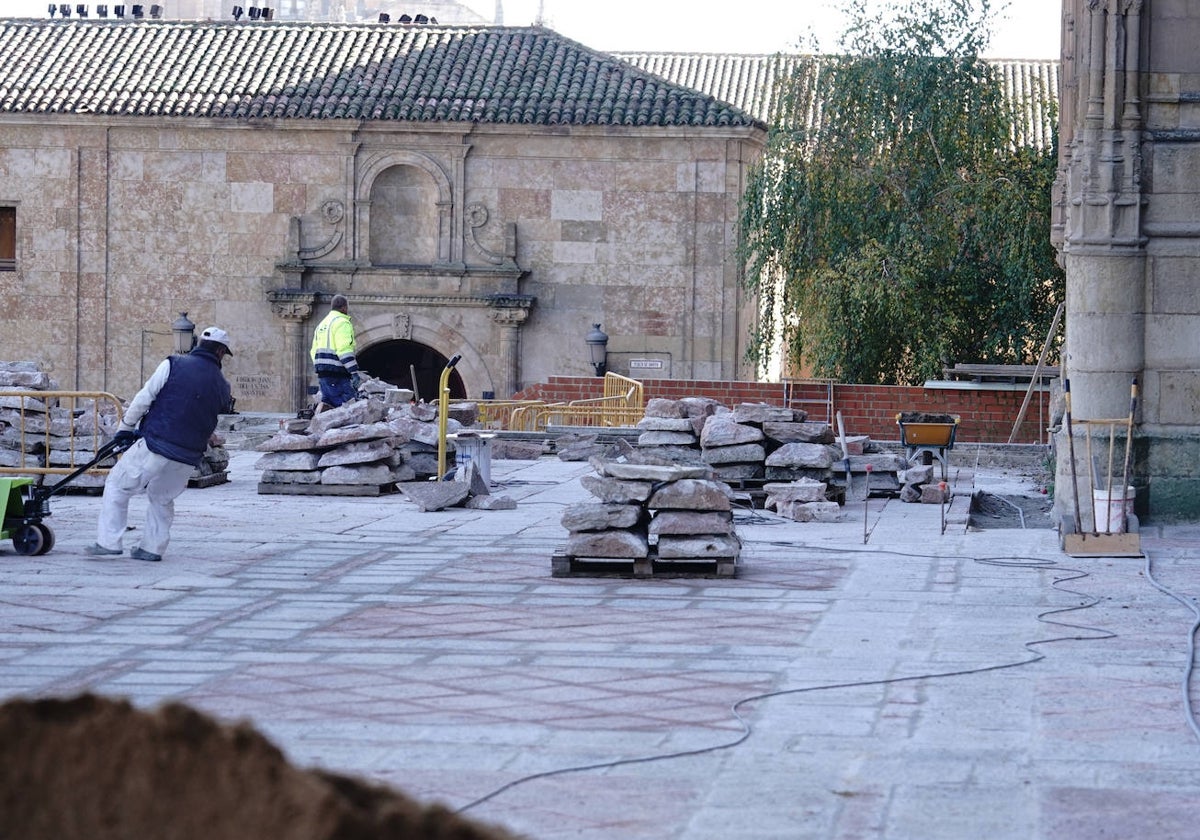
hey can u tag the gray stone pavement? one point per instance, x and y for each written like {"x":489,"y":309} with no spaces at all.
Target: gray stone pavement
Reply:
{"x":906,"y":683}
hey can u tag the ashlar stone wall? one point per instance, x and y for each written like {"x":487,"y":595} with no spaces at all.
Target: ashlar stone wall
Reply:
{"x":502,"y":244}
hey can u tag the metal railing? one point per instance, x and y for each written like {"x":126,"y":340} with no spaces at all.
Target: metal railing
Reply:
{"x":54,"y":432}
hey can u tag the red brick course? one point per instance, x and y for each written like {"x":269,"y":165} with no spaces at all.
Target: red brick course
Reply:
{"x":986,"y":416}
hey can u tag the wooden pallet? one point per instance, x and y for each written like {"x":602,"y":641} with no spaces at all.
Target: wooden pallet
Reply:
{"x":210,"y":480}
{"x":563,"y":565}
{"x":265,"y":489}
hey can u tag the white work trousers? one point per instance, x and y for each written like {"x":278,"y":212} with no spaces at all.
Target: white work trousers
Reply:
{"x":142,"y":471}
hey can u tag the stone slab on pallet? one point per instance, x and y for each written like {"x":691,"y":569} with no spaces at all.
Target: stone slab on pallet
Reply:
{"x":564,"y":565}
{"x":210,"y":480}
{"x":266,"y":488}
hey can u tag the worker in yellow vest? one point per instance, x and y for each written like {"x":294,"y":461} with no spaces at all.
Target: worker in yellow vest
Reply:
{"x":333,"y":355}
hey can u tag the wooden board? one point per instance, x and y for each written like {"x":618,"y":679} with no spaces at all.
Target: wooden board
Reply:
{"x":1102,"y":545}
{"x":562,"y":565}
{"x":265,"y":489}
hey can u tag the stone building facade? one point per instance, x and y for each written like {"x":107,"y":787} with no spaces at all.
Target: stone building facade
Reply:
{"x":1128,"y":227}
{"x":486,"y":192}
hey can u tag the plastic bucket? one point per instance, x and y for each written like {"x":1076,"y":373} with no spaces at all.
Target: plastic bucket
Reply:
{"x":1111,"y":511}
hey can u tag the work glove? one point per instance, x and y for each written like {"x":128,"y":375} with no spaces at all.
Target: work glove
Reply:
{"x":124,"y":439}
{"x":356,"y":381}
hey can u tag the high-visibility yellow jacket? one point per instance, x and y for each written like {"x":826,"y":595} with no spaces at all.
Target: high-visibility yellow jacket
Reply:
{"x":333,"y":346}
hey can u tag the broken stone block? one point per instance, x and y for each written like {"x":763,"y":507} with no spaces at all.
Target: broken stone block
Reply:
{"x":348,"y":414}
{"x":290,"y":477}
{"x":813,"y":456}
{"x":723,"y":431}
{"x":744,"y":453}
{"x":423,"y":411}
{"x":402,"y":472}
{"x":598,"y":516}
{"x":917,"y":475}
{"x":490,"y":503}
{"x":650,"y":472}
{"x":691,"y":494}
{"x":813,"y":511}
{"x":470,"y":474}
{"x":25,"y":379}
{"x":351,"y":434}
{"x":288,"y":442}
{"x":620,"y":545}
{"x":362,"y":452}
{"x":370,"y":474}
{"x":687,"y":438}
{"x":760,"y":413}
{"x":699,"y":406}
{"x":935,"y":494}
{"x":738,"y":472}
{"x":608,"y":489}
{"x":434,"y":495}
{"x":801,"y":490}
{"x":910,"y":493}
{"x":664,"y":424}
{"x":288,"y":461}
{"x":698,"y":547}
{"x":686,"y":522}
{"x":799,"y":432}
{"x":517,"y":450}
{"x":664,"y":408}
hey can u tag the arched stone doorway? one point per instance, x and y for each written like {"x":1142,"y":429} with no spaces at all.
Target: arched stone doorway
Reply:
{"x":397,"y":360}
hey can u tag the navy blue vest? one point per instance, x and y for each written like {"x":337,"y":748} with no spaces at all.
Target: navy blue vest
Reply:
{"x":184,"y":414}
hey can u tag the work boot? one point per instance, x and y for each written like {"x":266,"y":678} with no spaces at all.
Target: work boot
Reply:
{"x":98,"y":550}
{"x":140,"y":553}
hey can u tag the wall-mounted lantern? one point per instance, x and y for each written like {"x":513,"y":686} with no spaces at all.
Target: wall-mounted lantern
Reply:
{"x":597,"y":342}
{"x":185,"y":334}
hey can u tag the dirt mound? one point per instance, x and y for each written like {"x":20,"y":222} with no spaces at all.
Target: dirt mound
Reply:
{"x":95,"y":768}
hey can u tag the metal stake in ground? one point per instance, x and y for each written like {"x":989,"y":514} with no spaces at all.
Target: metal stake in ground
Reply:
{"x":866,"y":501}
{"x":943,"y":490}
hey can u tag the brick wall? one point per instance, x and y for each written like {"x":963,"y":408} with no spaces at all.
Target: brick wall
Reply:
{"x":987,"y":416}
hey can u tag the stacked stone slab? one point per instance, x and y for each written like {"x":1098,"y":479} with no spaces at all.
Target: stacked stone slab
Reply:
{"x":55,"y":434}
{"x":363,"y":444}
{"x":655,"y":518}
{"x":214,"y":466}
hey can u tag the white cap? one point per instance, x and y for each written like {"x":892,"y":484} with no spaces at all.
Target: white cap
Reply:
{"x":218,"y":335}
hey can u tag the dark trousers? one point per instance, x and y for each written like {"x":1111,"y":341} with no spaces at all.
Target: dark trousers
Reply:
{"x":336,"y":390}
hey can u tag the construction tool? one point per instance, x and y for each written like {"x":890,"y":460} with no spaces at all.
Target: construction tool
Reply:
{"x":1071,"y":455}
{"x":845,"y":452}
{"x":1133,"y":395}
{"x":866,"y":499}
{"x":23,"y":506}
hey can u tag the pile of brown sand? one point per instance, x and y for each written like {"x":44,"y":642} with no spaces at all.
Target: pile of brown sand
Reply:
{"x":95,"y":768}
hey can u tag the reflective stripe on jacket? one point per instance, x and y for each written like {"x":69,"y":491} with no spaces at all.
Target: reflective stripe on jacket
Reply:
{"x":333,"y":346}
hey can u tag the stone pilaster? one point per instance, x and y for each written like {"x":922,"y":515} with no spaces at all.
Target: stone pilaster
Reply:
{"x":294,"y":307}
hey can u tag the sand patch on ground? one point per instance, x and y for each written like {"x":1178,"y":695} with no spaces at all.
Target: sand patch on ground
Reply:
{"x":96,"y":768}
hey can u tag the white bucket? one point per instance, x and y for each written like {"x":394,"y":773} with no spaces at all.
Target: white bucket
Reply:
{"x":1111,"y":515}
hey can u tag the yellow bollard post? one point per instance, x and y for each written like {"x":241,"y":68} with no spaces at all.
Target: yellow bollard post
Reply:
{"x":444,"y":412}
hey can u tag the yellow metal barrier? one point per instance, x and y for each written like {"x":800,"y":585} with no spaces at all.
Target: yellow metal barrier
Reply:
{"x":495,"y":414}
{"x":623,"y":404}
{"x":616,"y":385}
{"x":54,"y":432}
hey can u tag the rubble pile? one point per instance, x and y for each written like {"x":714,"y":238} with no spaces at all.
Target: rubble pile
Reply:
{"x":366,"y":443}
{"x":650,"y":513}
{"x":37,"y":432}
{"x":799,"y":467}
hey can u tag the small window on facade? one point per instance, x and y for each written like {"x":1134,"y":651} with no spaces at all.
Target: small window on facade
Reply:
{"x":8,"y":238}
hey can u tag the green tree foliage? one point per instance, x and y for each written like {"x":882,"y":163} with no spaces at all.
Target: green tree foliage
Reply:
{"x":893,"y":226}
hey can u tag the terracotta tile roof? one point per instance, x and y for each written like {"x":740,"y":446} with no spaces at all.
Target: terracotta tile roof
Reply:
{"x":748,"y":82}
{"x":244,"y":70}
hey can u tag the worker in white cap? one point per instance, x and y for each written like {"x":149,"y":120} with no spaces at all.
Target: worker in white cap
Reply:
{"x":167,"y":427}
